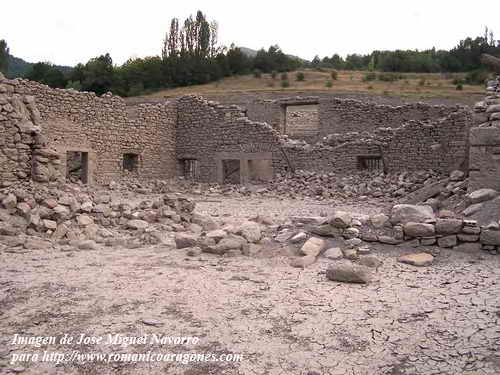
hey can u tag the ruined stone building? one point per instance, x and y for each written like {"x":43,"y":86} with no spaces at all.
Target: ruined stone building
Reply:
{"x":52,"y":134}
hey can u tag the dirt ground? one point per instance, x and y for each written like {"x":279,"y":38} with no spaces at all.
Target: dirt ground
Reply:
{"x":441,"y":319}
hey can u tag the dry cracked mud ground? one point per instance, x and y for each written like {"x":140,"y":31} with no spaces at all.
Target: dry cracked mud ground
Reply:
{"x":441,"y":319}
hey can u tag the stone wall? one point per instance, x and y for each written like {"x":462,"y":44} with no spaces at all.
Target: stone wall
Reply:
{"x":485,"y":141}
{"x":345,"y":115}
{"x":441,"y":145}
{"x":105,"y":128}
{"x":209,"y":133}
{"x":23,"y":148}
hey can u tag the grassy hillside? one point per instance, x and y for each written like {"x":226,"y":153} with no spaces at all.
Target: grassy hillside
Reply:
{"x":19,"y":67}
{"x":411,"y":85}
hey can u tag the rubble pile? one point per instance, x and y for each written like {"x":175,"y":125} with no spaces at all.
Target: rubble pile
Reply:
{"x":80,"y":217}
{"x":361,"y":185}
{"x":347,"y":236}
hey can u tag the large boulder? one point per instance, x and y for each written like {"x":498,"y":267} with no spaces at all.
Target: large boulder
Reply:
{"x":405,"y":213}
{"x":206,"y":222}
{"x":481,"y":195}
{"x":419,"y":229}
{"x":449,"y":226}
{"x":419,"y":260}
{"x":349,"y":273}
{"x":340,"y":219}
{"x":313,"y":247}
{"x":490,"y":237}
{"x":250,"y":230}
{"x":137,"y":224}
{"x":184,"y":240}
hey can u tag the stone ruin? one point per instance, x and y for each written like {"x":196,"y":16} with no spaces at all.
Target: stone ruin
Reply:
{"x":52,"y":135}
{"x":50,"y":132}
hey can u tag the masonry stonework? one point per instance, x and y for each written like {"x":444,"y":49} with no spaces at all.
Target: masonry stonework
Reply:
{"x":106,"y":129}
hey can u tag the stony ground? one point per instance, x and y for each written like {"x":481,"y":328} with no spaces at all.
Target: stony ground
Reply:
{"x":441,"y":319}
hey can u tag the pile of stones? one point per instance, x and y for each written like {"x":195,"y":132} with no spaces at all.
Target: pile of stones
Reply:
{"x":40,"y":215}
{"x":487,"y":111}
{"x":361,"y":185}
{"x":226,"y":238}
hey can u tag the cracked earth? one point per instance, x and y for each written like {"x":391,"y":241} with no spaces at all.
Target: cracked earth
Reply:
{"x":441,"y":319}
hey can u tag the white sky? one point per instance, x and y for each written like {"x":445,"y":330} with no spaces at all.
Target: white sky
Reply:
{"x":66,"y":32}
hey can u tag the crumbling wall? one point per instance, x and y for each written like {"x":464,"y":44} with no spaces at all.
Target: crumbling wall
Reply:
{"x":338,"y":115}
{"x":23,"y":148}
{"x":440,"y":145}
{"x":484,"y":169}
{"x":348,"y":115}
{"x":106,"y":129}
{"x":209,"y":133}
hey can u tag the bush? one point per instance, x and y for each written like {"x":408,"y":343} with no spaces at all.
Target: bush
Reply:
{"x":300,"y":76}
{"x":284,"y":76}
{"x":421,"y":82}
{"x":459,"y":87}
{"x":476,"y":77}
{"x":458,"y":81}
{"x":270,"y":84}
{"x":257,"y":73}
{"x":329,"y":83}
{"x":389,"y":77}
{"x":371,"y":76}
{"x":274,"y":74}
{"x":75,"y":85}
{"x":370,"y":87}
{"x":285,"y":83}
{"x":335,"y":75}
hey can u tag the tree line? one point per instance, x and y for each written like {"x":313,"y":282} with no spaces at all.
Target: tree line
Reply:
{"x":191,"y":55}
{"x":465,"y":57}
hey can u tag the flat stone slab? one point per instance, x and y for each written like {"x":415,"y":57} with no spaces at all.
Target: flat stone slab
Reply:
{"x":418,"y":260}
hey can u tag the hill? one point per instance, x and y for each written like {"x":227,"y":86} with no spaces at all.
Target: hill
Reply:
{"x":252,"y":53}
{"x":19,"y":67}
{"x":413,"y":86}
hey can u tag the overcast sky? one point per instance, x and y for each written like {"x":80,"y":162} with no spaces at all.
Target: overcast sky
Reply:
{"x":67,"y":32}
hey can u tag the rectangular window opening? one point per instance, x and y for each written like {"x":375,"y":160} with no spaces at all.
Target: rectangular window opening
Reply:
{"x":131,"y":162}
{"x":370,"y":163}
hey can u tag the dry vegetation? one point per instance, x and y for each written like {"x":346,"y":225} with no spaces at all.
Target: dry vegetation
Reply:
{"x":412,"y":85}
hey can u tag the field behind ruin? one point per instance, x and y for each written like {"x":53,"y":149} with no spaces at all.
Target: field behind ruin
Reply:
{"x":412,"y":85}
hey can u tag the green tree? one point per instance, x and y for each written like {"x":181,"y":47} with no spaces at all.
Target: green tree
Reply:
{"x":4,"y":56}
{"x":46,"y":73}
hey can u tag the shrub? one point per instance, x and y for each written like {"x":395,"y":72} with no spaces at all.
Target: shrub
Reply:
{"x":75,"y":85}
{"x":459,"y":87}
{"x":335,"y":75}
{"x":300,"y":76}
{"x":285,"y":83}
{"x":421,"y":82}
{"x":257,"y":73}
{"x":351,"y":77}
{"x":274,"y":74}
{"x":458,"y":81}
{"x":329,"y":83}
{"x":476,"y":77}
{"x":389,"y":77}
{"x":284,"y":76}
{"x":270,"y":84}
{"x":370,"y":87}
{"x":371,"y":76}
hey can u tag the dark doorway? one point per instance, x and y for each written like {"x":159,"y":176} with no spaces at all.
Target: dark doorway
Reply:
{"x":131,"y":162}
{"x":190,"y":169}
{"x":231,"y":171}
{"x":77,"y":166}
